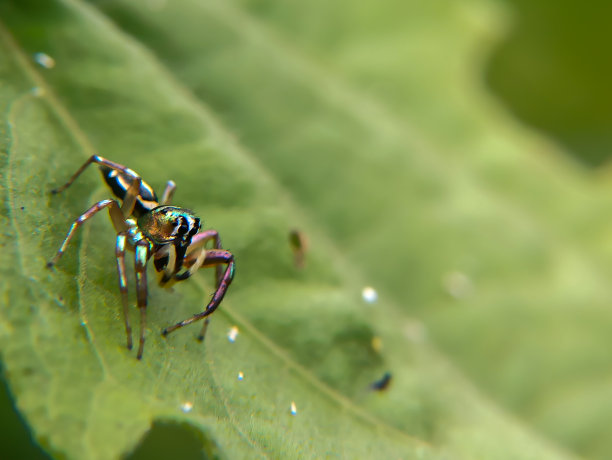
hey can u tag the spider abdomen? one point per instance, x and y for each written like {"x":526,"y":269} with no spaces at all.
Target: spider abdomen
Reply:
{"x":119,"y":184}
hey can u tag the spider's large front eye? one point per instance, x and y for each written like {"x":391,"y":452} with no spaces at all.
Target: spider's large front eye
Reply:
{"x":183,"y":229}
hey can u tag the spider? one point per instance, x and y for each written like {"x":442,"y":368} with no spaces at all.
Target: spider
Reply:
{"x":153,"y":229}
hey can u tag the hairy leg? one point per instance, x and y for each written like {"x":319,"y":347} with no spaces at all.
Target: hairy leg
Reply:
{"x":141,"y":257}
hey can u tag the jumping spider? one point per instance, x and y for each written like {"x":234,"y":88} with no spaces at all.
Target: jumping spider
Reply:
{"x":153,"y":229}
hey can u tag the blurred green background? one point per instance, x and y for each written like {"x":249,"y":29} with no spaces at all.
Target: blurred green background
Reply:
{"x":553,"y":71}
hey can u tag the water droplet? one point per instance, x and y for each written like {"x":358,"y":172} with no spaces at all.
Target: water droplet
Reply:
{"x":187,"y":406}
{"x":293,"y":408}
{"x":232,"y":334}
{"x":44,"y":60}
{"x":369,"y":294}
{"x":457,"y":284}
{"x":240,"y":376}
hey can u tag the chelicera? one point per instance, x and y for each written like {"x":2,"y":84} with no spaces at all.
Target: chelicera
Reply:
{"x":153,"y":229}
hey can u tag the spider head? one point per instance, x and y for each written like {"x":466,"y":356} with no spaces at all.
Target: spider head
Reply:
{"x":170,"y":225}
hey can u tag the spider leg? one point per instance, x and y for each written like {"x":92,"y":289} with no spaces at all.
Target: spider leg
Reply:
{"x":120,"y":248}
{"x":198,"y":241}
{"x":213,"y":257}
{"x":168,"y":193}
{"x":115,"y":214}
{"x":194,"y":252}
{"x":202,"y":333}
{"x":193,"y":260}
{"x":140,"y":265}
{"x":169,"y":270}
{"x":101,"y":161}
{"x":129,"y":200}
{"x":194,"y":265}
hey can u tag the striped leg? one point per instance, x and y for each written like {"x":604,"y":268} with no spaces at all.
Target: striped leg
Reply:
{"x":120,"y":254}
{"x":168,"y":193}
{"x":196,"y":255}
{"x":214,"y":257}
{"x":194,"y":262}
{"x":170,"y":265}
{"x":198,"y":242}
{"x":101,"y":161}
{"x":141,"y":258}
{"x":115,"y":214}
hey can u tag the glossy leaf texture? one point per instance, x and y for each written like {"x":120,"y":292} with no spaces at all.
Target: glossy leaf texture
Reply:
{"x":364,"y":126}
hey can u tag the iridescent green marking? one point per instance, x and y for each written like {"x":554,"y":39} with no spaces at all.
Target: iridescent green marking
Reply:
{"x":166,"y":224}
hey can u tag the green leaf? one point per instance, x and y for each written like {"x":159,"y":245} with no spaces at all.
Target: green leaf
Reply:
{"x":364,"y":126}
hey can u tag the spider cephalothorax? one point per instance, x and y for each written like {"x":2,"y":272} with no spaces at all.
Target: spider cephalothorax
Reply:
{"x":169,"y":234}
{"x":169,"y":225}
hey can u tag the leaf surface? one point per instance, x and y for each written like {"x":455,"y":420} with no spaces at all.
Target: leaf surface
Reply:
{"x":391,"y":190}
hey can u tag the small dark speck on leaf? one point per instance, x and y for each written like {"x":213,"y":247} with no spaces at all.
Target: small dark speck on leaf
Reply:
{"x":27,"y":371}
{"x":299,"y":246}
{"x":383,"y":383}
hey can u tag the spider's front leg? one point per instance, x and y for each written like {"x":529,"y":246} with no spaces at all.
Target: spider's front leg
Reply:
{"x":102,"y":162}
{"x":115,"y":214}
{"x":193,"y":260}
{"x":120,"y":248}
{"x":213,"y":257}
{"x":196,"y":248}
{"x":141,"y":257}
